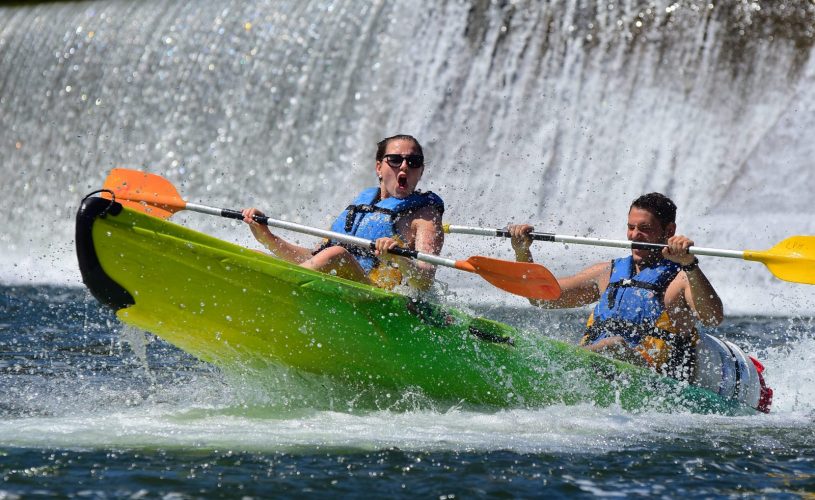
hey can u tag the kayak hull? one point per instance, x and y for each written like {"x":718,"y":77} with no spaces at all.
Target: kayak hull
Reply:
{"x":247,"y":312}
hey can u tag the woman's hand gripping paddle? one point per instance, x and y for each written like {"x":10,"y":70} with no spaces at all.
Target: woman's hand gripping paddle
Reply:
{"x":793,"y":259}
{"x":156,"y":196}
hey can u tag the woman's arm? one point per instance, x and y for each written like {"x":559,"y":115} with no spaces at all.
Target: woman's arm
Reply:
{"x":425,"y":235}
{"x":275,"y":244}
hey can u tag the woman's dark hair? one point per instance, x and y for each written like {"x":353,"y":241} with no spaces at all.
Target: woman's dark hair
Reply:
{"x":382,"y":145}
{"x":658,"y":204}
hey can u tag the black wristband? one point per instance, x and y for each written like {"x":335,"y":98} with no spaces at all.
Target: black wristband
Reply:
{"x":690,"y":267}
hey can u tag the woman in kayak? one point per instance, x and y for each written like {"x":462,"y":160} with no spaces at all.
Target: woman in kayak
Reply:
{"x":391,"y":214}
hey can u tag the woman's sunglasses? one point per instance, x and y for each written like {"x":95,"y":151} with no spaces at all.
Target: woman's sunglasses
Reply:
{"x":413,"y":161}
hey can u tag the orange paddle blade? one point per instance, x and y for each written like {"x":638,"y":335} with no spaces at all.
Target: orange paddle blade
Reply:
{"x":148,"y":193}
{"x":793,"y":259}
{"x":526,"y":279}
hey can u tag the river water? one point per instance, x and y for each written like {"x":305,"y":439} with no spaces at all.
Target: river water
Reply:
{"x":90,"y":409}
{"x":556,"y":113}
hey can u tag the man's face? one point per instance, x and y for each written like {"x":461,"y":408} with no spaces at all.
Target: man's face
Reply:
{"x":643,"y":226}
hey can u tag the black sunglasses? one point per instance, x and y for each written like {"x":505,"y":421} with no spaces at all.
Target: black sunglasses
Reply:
{"x":413,"y":161}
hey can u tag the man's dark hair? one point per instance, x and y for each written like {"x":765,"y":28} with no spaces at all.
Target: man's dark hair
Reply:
{"x":658,"y":204}
{"x":382,"y":145}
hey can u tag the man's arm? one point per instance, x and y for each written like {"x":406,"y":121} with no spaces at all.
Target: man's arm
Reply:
{"x":698,"y":292}
{"x":702,"y":298}
{"x":579,"y":290}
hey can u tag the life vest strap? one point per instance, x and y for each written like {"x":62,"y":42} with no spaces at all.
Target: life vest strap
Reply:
{"x":353,"y":210}
{"x":631,"y":283}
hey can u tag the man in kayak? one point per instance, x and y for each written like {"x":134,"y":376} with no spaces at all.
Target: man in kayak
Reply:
{"x":391,"y":214}
{"x":648,"y":302}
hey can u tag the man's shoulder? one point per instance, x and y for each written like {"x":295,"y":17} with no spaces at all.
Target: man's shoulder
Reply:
{"x":600,"y":267}
{"x":599,"y":273}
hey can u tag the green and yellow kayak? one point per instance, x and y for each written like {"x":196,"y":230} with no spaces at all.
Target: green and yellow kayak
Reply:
{"x":244,"y":312}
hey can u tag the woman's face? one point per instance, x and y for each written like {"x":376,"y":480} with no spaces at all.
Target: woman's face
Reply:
{"x":400,"y":169}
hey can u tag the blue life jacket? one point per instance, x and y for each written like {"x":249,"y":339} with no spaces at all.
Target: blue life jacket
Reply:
{"x":632,"y":306}
{"x":371,"y":219}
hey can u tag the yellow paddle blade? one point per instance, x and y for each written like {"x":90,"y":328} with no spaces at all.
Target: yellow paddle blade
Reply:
{"x":148,"y":193}
{"x":793,"y":259}
{"x":526,"y":279}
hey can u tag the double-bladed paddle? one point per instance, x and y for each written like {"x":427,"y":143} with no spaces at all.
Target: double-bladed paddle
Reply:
{"x":793,"y":259}
{"x":155,"y":195}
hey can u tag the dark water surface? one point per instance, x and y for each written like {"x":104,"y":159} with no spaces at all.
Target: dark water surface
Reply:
{"x":91,"y":410}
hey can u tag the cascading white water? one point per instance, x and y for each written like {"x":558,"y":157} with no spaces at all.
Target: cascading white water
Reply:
{"x":557,"y":113}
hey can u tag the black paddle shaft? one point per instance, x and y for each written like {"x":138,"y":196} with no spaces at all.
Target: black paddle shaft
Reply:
{"x":551,"y":237}
{"x":266,"y":221}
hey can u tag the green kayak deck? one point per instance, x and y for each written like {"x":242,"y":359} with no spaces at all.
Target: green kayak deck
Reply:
{"x":244,"y":311}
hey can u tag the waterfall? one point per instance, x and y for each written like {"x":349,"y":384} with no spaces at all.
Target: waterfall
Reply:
{"x":557,"y":113}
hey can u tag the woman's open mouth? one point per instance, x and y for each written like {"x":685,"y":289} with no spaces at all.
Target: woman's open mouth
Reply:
{"x":402,"y":180}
